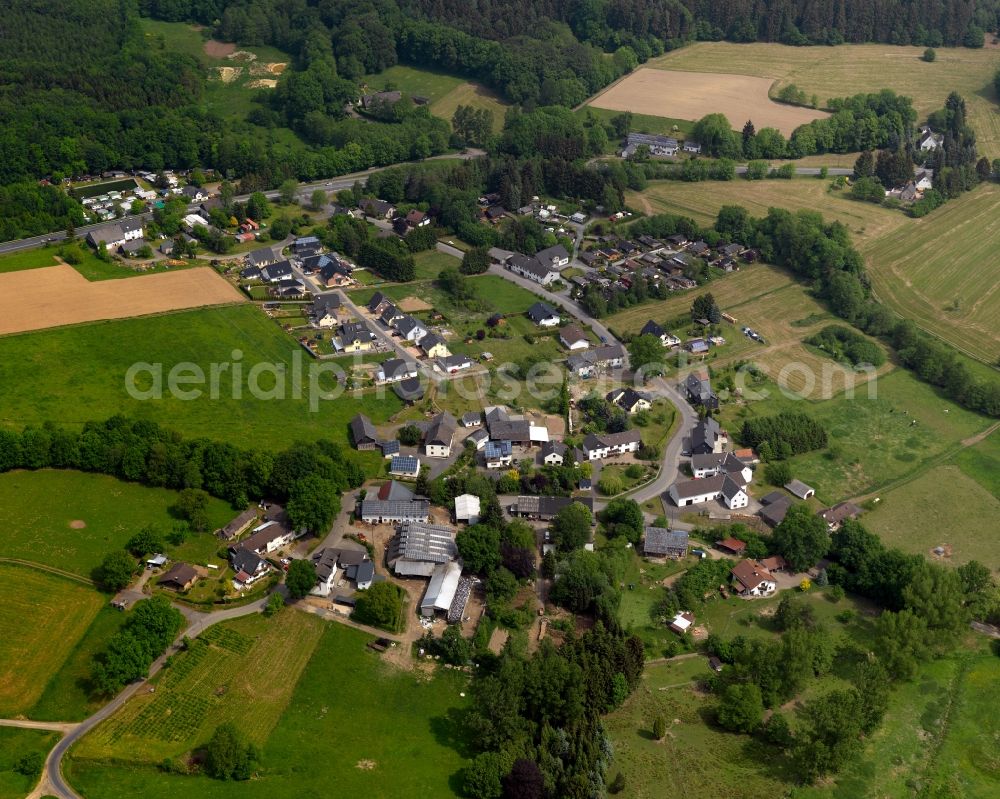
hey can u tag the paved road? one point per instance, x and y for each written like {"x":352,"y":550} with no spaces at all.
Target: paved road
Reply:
{"x":52,"y":779}
{"x":304,"y":192}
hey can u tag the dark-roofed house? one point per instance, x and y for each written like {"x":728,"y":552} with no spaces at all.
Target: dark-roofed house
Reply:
{"x":707,"y":437}
{"x":598,"y":447}
{"x":532,"y":268}
{"x":543,"y":315}
{"x":629,"y":400}
{"x":838,"y":514}
{"x":378,"y":303}
{"x":440,"y":434}
{"x":389,"y":448}
{"x":472,"y":419}
{"x":377,"y":209}
{"x":116,"y":234}
{"x":410,"y":329}
{"x":409,"y":390}
{"x":555,"y":256}
{"x":282,"y":270}
{"x":387,"y":511}
{"x":180,"y":577}
{"x":545,"y":508}
{"x":662,"y":543}
{"x":553,"y":453}
{"x":262,"y":257}
{"x":248,"y":567}
{"x":363,"y":433}
{"x":417,"y":548}
{"x":394,"y":370}
{"x":586,"y":363}
{"x":722,"y":486}
{"x":699,"y":390}
{"x":324,"y":309}
{"x":354,"y":337}
{"x":334,"y":272}
{"x":433,"y":346}
{"x":751,"y":579}
{"x":774,"y":512}
{"x":389,"y":314}
{"x":404,"y":466}
{"x":572,"y":337}
{"x":451,"y":364}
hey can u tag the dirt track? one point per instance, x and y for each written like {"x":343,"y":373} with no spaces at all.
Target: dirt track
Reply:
{"x":59,"y":295}
{"x":692,"y":95}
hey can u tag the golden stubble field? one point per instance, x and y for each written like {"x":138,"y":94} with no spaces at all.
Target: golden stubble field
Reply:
{"x":53,"y":296}
{"x":851,"y":69}
{"x":692,"y":95}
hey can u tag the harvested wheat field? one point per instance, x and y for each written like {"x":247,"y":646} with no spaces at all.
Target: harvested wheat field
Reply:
{"x":59,"y":295}
{"x":692,"y":95}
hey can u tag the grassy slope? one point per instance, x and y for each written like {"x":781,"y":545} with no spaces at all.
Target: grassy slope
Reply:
{"x":72,"y":375}
{"x":851,"y":69}
{"x":41,"y":621}
{"x":66,"y":696}
{"x":925,"y":266}
{"x":696,"y":758}
{"x":15,"y":744}
{"x":873,"y":439}
{"x":39,"y":529}
{"x":228,"y":671}
{"x":371,"y":729}
{"x":91,"y":267}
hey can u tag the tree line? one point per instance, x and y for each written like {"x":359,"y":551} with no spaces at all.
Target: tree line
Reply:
{"x":308,"y":476}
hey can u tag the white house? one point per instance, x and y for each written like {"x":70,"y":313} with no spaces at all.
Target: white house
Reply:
{"x":629,"y":400}
{"x":555,"y":257}
{"x":532,"y":269}
{"x":114,"y":236}
{"x":553,"y":453}
{"x":928,"y":140}
{"x":607,"y":444}
{"x":573,"y":338}
{"x":722,"y":487}
{"x":394,"y":370}
{"x":498,"y":454}
{"x":437,"y":441}
{"x":410,"y":329}
{"x":543,"y":315}
{"x":721,"y":463}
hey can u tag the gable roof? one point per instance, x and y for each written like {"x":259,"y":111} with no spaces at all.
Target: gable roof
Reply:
{"x":407,"y":324}
{"x":180,"y":574}
{"x":540,"y":311}
{"x":362,"y":430}
{"x":550,"y":255}
{"x":571,"y":334}
{"x":661,"y":540}
{"x":533,"y":266}
{"x":442,"y":430}
{"x":751,"y":574}
{"x":651,"y":328}
{"x":377,"y":299}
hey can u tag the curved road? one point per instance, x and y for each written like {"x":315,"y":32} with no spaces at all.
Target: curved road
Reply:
{"x":52,"y":781}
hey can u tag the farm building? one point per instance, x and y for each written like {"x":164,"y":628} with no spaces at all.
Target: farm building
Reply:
{"x":658,"y":542}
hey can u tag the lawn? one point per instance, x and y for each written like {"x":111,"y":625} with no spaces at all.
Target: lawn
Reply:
{"x":15,"y":744}
{"x":474,"y":95}
{"x":42,"y":619}
{"x":429,"y":264}
{"x":445,"y":92}
{"x":981,"y":462}
{"x":942,"y":272}
{"x":354,"y":722}
{"x":90,"y":266}
{"x":636,"y":611}
{"x":778,"y":307}
{"x":229,"y":669}
{"x":951,"y":508}
{"x":939,"y":737}
{"x":701,"y":202}
{"x":77,"y":374}
{"x":873,"y":440}
{"x":66,"y":696}
{"x":229,"y":94}
{"x":851,"y":69}
{"x":39,"y":529}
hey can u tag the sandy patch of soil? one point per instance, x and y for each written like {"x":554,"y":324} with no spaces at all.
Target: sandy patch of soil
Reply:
{"x":77,"y":524}
{"x":242,"y":55}
{"x":262,"y":83}
{"x":413,"y":304}
{"x":228,"y":74}
{"x":217,"y":49}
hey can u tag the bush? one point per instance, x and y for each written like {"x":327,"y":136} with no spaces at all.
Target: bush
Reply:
{"x":929,"y":55}
{"x":835,"y":592}
{"x":659,"y":728}
{"x":380,"y":606}
{"x":228,"y":755}
{"x":30,"y":765}
{"x":117,"y":570}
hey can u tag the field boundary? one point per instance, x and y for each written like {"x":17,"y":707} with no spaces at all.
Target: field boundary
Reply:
{"x":29,"y":564}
